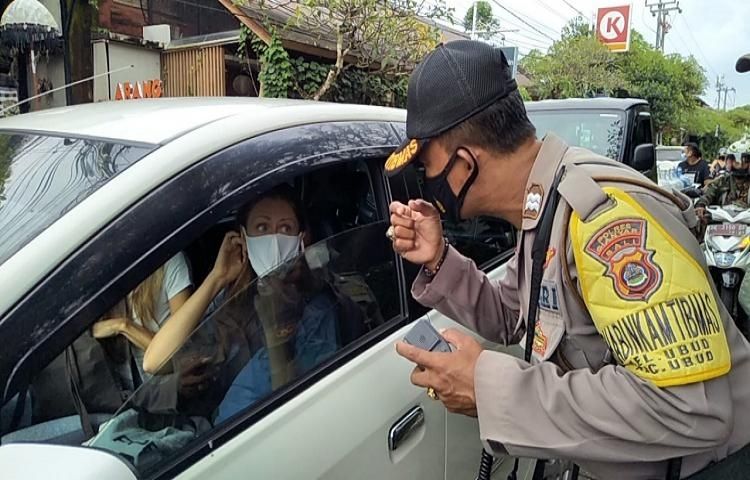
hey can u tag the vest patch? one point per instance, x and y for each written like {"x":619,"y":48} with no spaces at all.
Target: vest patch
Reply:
{"x":650,"y":300}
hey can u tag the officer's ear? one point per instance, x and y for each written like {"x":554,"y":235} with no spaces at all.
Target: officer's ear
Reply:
{"x":467,"y":159}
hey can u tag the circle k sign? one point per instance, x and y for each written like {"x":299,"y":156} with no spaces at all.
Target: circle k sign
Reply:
{"x":613,"y":27}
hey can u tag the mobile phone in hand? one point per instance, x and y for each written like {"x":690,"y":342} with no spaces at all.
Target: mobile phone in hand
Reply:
{"x":423,"y":335}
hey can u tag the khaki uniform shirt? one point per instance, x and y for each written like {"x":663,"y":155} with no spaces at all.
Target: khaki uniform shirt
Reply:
{"x":574,"y":401}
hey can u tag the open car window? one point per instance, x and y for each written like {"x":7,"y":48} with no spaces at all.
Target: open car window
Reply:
{"x":257,"y":339}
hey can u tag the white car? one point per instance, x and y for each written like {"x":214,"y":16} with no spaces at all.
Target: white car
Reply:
{"x":95,"y":198}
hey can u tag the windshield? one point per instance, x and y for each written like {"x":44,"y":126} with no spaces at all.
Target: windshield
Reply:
{"x":601,"y":132}
{"x":255,"y":338}
{"x":43,"y":177}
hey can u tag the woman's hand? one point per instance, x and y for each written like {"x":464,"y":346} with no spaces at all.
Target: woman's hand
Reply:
{"x":108,"y":328}
{"x":231,"y":259}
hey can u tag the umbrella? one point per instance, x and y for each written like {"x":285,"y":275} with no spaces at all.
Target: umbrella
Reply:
{"x":27,"y":24}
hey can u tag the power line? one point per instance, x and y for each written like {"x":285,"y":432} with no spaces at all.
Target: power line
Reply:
{"x":528,"y":33}
{"x":574,"y":8}
{"x":700,"y":50}
{"x":525,"y":44}
{"x":522,"y":20}
{"x":548,"y":7}
{"x":537,"y":38}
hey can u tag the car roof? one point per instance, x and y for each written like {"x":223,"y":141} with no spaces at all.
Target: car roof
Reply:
{"x":602,"y":103}
{"x":158,"y":121}
{"x":210,"y":125}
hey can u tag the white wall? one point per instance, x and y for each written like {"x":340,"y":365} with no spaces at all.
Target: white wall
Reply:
{"x":146,"y":66}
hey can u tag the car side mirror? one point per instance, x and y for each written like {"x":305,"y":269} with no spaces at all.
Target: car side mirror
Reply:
{"x":644,"y":157}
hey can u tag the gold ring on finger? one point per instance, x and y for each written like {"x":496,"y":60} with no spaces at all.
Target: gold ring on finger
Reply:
{"x":432,"y":393}
{"x":391,"y":233}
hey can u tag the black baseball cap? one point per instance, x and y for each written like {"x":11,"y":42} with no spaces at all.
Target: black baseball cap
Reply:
{"x":743,"y":64}
{"x":454,"y":82}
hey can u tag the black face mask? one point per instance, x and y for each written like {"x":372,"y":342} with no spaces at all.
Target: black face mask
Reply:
{"x":439,"y":192}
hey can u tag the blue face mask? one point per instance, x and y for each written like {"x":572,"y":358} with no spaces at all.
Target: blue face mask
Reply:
{"x":683,"y":157}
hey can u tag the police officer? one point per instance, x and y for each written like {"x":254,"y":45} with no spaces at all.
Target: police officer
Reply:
{"x":635,"y":369}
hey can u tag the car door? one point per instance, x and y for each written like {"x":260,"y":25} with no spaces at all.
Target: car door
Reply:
{"x":353,"y":416}
{"x":362,"y":418}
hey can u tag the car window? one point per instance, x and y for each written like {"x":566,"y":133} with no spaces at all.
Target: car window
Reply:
{"x":602,"y":132}
{"x":257,"y":339}
{"x":43,"y":177}
{"x":642,"y":130}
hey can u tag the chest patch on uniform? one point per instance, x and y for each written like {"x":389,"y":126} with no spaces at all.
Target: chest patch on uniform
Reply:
{"x":621,"y":247}
{"x":650,"y":300}
{"x":548,"y":299}
{"x":551,"y":251}
{"x":540,"y":340}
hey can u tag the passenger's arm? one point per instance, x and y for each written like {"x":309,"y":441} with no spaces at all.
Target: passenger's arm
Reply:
{"x":174,"y":333}
{"x":136,"y":334}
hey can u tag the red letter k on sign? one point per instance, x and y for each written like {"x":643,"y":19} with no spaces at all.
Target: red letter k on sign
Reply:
{"x":612,"y":25}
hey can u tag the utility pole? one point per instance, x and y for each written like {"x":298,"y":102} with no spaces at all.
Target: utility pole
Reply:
{"x":660,"y":9}
{"x":722,"y":87}
{"x":474,"y":23}
{"x":734,"y":91}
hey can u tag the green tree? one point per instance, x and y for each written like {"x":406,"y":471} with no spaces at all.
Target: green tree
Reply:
{"x":670,"y":83}
{"x":486,"y":25}
{"x":578,"y":65}
{"x":386,"y":38}
{"x":575,"y":66}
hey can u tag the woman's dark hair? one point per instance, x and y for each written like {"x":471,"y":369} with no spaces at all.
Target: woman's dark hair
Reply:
{"x":502,"y":127}
{"x":722,"y":157}
{"x":283,"y":192}
{"x":730,"y":156}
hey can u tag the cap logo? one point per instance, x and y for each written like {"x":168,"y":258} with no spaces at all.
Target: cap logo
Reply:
{"x":534,"y":198}
{"x":402,"y":157}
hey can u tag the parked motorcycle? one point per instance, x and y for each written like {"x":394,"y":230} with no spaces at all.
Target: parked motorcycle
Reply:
{"x":726,"y":247}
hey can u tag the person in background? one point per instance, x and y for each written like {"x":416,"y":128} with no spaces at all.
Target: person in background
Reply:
{"x":729,"y":162}
{"x":693,"y":167}
{"x":732,"y":189}
{"x":718,"y":166}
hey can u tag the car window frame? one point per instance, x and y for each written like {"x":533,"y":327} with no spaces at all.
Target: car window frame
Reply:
{"x":103,"y":289}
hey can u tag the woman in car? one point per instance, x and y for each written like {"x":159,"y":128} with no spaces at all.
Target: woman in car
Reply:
{"x":149,"y":306}
{"x":272,"y":318}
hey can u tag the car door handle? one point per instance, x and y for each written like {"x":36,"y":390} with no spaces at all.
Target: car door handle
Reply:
{"x":404,"y":427}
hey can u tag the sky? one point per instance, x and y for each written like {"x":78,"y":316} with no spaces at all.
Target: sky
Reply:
{"x":715,"y":32}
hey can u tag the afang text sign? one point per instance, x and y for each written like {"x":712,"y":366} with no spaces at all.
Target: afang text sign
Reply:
{"x":145,"y":89}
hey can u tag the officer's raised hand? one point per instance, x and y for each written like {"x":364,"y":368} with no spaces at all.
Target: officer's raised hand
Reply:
{"x":416,"y":232}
